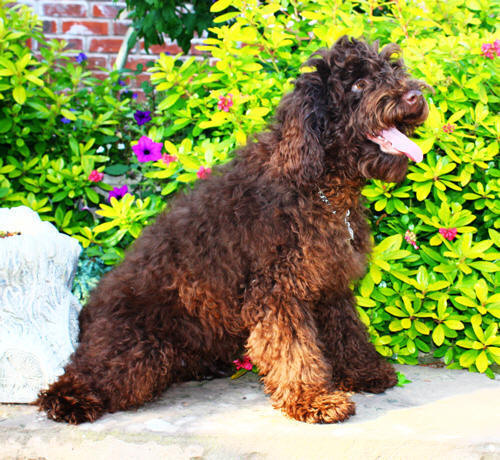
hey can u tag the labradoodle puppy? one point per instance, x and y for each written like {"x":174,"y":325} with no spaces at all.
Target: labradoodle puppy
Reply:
{"x":260,"y":257}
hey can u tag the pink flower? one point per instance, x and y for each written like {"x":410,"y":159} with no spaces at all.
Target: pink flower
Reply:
{"x":166,"y":158}
{"x":95,"y":176}
{"x":411,"y":238}
{"x":496,"y":45}
{"x":225,"y":103}
{"x":448,"y":233}
{"x":243,"y":364}
{"x":489,"y":50}
{"x":203,"y":172}
{"x":448,"y":128}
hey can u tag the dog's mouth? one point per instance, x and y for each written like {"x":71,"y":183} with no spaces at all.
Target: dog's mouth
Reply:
{"x":395,"y":142}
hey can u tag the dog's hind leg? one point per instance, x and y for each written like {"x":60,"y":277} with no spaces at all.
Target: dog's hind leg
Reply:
{"x":106,"y":376}
{"x":356,"y":365}
{"x":284,"y":345}
{"x":125,"y":355}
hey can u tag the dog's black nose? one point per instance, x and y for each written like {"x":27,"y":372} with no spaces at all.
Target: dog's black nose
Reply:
{"x":412,"y":97}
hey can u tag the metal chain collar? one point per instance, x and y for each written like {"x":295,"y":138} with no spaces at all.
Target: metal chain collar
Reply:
{"x":325,"y":200}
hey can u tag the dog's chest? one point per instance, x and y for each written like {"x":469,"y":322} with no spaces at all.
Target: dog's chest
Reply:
{"x":336,"y":249}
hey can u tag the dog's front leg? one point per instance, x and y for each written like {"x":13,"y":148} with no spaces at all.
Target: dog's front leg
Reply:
{"x":356,"y":365}
{"x":284,"y":345}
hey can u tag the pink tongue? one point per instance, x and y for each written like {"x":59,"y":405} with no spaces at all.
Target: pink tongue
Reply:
{"x":400,"y":142}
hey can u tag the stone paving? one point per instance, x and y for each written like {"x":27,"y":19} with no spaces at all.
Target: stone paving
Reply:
{"x":442,"y":414}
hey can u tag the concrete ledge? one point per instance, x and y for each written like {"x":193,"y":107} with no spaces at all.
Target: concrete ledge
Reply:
{"x":442,"y":414}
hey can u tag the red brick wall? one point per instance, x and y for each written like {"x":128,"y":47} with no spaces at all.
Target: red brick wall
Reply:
{"x":92,"y":27}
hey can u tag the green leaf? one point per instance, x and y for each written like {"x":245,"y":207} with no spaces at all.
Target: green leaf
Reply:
{"x":482,"y":362}
{"x":438,"y":335}
{"x":92,"y":195}
{"x":454,"y":324}
{"x":19,"y":94}
{"x":168,"y":102}
{"x":68,"y":114}
{"x":484,"y":266}
{"x":394,"y":311}
{"x":476,"y":321}
{"x":220,"y":5}
{"x":117,"y":169}
{"x":467,"y":358}
{"x":421,"y":327}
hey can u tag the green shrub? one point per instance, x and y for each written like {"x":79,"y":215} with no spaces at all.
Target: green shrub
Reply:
{"x":179,"y":19}
{"x":58,"y":125}
{"x":423,"y":292}
{"x":432,"y":281}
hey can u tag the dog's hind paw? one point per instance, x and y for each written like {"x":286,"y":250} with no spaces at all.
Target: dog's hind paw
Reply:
{"x":70,"y":403}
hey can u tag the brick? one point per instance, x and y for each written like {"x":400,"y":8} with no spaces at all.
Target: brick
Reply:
{"x":165,"y":48}
{"x":64,"y":10}
{"x":121,"y":27}
{"x":105,"y":11}
{"x":73,"y":43}
{"x":132,"y":63}
{"x":49,"y":27}
{"x":100,"y":75}
{"x":142,"y":78}
{"x":105,"y":45}
{"x":85,"y":28}
{"x":93,"y":62}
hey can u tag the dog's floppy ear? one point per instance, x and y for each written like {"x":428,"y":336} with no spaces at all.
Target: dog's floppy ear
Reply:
{"x":301,"y":121}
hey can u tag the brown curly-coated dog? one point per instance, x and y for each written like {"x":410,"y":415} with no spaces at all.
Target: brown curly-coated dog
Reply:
{"x":259,"y":256}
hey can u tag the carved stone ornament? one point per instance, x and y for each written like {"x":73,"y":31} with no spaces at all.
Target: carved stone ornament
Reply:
{"x":38,"y":312}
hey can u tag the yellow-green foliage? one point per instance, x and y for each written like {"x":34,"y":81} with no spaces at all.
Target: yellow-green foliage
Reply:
{"x":423,"y":293}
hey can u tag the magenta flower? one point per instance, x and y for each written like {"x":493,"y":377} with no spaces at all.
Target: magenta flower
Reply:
{"x":167,"y":159}
{"x":118,"y":192}
{"x":411,"y":238}
{"x":225,"y":103}
{"x":142,"y":117}
{"x":203,"y":173}
{"x":448,"y":128}
{"x":448,"y":233}
{"x":95,"y":176}
{"x":243,"y":364}
{"x":147,"y":150}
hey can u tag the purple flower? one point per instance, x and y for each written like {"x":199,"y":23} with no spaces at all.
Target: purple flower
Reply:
{"x":147,"y":150}
{"x":81,"y":57}
{"x":65,"y":120}
{"x":118,"y":192}
{"x":142,"y":117}
{"x":122,"y":83}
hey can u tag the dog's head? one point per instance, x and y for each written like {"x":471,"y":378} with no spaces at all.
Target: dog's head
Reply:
{"x":355,"y":112}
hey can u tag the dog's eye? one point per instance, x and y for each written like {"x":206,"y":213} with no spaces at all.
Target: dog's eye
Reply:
{"x":359,"y":86}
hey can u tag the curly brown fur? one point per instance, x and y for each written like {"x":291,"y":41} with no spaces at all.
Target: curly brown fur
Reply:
{"x":254,"y":258}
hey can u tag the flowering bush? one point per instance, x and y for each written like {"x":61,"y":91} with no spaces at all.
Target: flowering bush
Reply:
{"x":430,"y":287}
{"x":61,"y":129}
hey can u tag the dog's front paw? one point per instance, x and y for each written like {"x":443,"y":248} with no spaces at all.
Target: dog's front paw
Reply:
{"x":321,"y":408}
{"x":370,"y":383}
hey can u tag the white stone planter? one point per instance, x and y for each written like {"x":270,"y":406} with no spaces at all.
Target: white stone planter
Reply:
{"x":38,"y":313}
